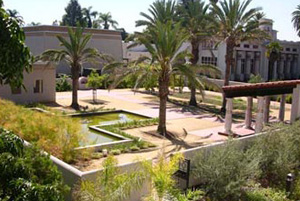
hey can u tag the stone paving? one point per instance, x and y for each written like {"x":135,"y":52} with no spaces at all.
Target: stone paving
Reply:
{"x":194,"y":127}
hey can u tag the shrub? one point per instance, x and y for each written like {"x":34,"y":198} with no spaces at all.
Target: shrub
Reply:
{"x":115,"y":152}
{"x":54,"y":134}
{"x":265,"y":194}
{"x":134,"y":148}
{"x":255,"y":79}
{"x":97,"y":155}
{"x":224,"y":170}
{"x":110,"y":185}
{"x":62,"y":84}
{"x":26,"y":173}
{"x":280,"y":153}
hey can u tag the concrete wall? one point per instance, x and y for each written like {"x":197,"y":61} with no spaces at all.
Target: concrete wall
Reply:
{"x":41,"y":71}
{"x":73,"y":176}
{"x":41,"y":38}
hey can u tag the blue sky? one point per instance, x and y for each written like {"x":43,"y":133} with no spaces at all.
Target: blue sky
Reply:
{"x":126,"y":12}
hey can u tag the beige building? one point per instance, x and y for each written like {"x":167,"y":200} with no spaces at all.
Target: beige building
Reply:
{"x":40,"y":83}
{"x":42,"y":38}
{"x":39,"y":86}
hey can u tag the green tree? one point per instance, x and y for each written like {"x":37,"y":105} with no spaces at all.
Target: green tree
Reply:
{"x":15,"y":56}
{"x":111,"y":184}
{"x":296,"y":19}
{"x":26,"y":173}
{"x":236,"y":23}
{"x":273,"y":53}
{"x":89,"y":16}
{"x":73,"y":16}
{"x":75,"y":54}
{"x":107,"y":21}
{"x":198,"y":23}
{"x":95,"y":81}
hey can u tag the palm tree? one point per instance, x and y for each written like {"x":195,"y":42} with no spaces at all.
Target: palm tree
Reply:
{"x":198,"y":23}
{"x":107,"y":20}
{"x":15,"y":14}
{"x":273,"y":54}
{"x":88,"y":14}
{"x":161,"y":10}
{"x":236,"y":23}
{"x":163,"y":42}
{"x":75,"y":53}
{"x":296,"y":19}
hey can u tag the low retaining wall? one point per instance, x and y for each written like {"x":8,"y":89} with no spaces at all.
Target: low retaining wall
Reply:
{"x":72,"y":176}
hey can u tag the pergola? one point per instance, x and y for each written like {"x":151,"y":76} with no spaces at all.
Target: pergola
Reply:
{"x":262,"y":91}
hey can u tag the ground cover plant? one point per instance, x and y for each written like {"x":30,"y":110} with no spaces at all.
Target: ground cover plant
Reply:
{"x":56,"y":135}
{"x":26,"y":173}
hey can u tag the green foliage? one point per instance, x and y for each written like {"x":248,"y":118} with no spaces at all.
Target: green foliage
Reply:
{"x":264,"y":194}
{"x":225,"y":170}
{"x":15,"y":56}
{"x":255,"y":79}
{"x":73,"y":16}
{"x":110,"y":184}
{"x":296,"y":19}
{"x":95,"y":80}
{"x":161,"y":175}
{"x":115,"y":152}
{"x":280,"y":154}
{"x":56,"y":135}
{"x":26,"y":173}
{"x":62,"y":84}
{"x":106,"y":20}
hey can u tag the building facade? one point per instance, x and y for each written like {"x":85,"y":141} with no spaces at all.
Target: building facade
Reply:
{"x":42,"y":38}
{"x":250,"y":57}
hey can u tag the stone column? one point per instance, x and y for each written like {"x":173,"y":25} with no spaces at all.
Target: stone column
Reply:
{"x":282,"y":108}
{"x":260,"y":114}
{"x":295,"y":111}
{"x":248,"y":115}
{"x":267,"y":109}
{"x":228,"y":116}
{"x":274,"y":71}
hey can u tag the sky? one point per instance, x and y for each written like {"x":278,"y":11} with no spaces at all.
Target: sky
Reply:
{"x":126,"y":12}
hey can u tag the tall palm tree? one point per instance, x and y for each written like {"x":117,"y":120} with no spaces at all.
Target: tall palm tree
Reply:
{"x":106,"y":20}
{"x":236,"y":23}
{"x":163,"y":42}
{"x":296,"y":19}
{"x":273,"y":54}
{"x":75,"y":53}
{"x":88,"y":14}
{"x":198,"y":23}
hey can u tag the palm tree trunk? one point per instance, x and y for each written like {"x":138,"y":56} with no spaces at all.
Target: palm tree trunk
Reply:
{"x":75,"y":78}
{"x":229,"y":59}
{"x":163,"y":97}
{"x":195,"y":51}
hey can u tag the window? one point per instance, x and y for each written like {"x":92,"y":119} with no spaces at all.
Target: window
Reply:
{"x":246,"y":46}
{"x":295,"y":50}
{"x":288,"y":49}
{"x":38,"y":87}
{"x":255,"y":46}
{"x":210,"y":60}
{"x":16,"y":91}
